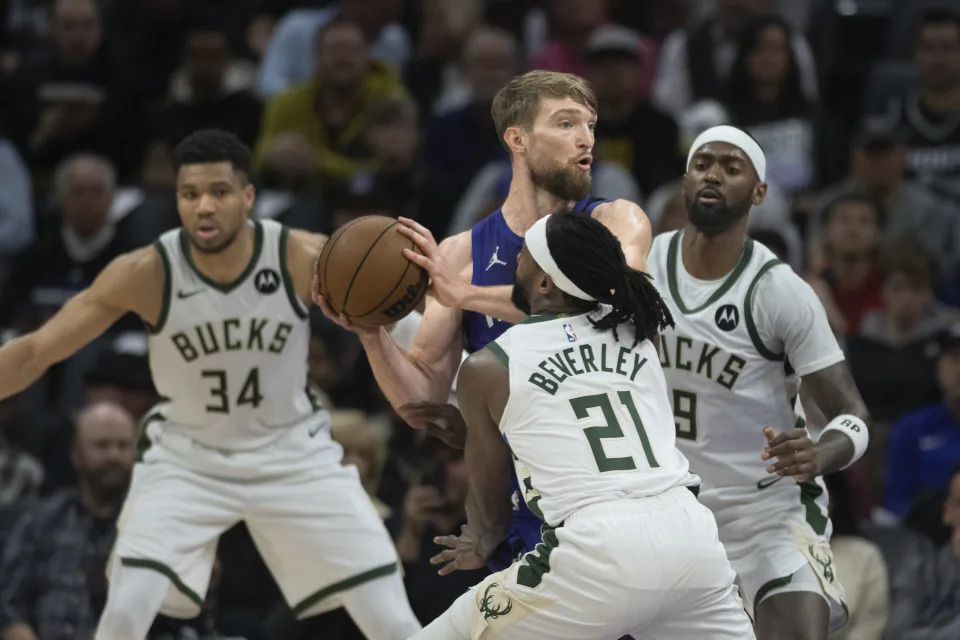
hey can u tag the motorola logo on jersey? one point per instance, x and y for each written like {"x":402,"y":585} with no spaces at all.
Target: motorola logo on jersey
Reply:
{"x":266,"y":281}
{"x":728,"y":317}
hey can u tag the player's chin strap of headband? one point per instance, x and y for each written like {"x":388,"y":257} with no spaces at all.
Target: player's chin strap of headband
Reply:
{"x":536,"y":241}
{"x":739,"y":139}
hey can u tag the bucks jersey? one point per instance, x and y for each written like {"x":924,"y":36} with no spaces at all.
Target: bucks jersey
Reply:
{"x":587,"y":418}
{"x":231,"y":358}
{"x":734,"y":359}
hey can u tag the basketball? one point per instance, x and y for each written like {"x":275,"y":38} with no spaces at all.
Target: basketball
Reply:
{"x":364,"y":275}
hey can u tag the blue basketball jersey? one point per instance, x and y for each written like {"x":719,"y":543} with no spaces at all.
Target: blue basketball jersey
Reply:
{"x":495,"y":249}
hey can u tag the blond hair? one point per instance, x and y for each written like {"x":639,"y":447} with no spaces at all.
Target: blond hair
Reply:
{"x":516,"y":104}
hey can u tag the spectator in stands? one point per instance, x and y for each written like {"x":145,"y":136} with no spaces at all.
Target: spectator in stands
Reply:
{"x":16,"y":206}
{"x":925,"y":444}
{"x":22,"y":474}
{"x":288,"y":60}
{"x":893,"y":359}
{"x":211,"y":90}
{"x":459,"y":143}
{"x":69,"y":253}
{"x":860,"y":566}
{"x":365,"y":447}
{"x":925,"y":603}
{"x":694,"y":66}
{"x":928,"y":110}
{"x":318,"y":129}
{"x":765,"y":97}
{"x":847,"y":281}
{"x":630,"y":132}
{"x":878,"y":165}
{"x":436,"y":76}
{"x":73,"y":99}
{"x":43,"y":571}
{"x":574,"y":21}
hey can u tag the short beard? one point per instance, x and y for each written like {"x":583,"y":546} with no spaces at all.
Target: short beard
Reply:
{"x":712,"y":220}
{"x":107,"y":486}
{"x":520,"y":299}
{"x":220,"y":248}
{"x":564,"y":183}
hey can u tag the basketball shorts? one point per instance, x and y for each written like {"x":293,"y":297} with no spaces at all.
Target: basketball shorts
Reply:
{"x":309,"y":517}
{"x":651,"y":567}
{"x":778,"y":540}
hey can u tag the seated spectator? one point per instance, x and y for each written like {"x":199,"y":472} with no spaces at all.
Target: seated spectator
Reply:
{"x":630,"y":132}
{"x":318,"y":129}
{"x":16,"y":206}
{"x":435,"y":76}
{"x":685,"y":74}
{"x":878,"y":162}
{"x":925,"y":603}
{"x":765,"y":97}
{"x":43,"y":571}
{"x":925,"y":445}
{"x":846,"y":275}
{"x":860,"y":566}
{"x":927,"y":111}
{"x":288,"y":62}
{"x":365,"y":447}
{"x":22,"y":474}
{"x":893,"y":359}
{"x":573,"y":22}
{"x":213,"y":89}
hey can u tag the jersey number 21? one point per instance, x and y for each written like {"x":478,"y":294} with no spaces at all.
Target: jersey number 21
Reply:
{"x":612,"y":429}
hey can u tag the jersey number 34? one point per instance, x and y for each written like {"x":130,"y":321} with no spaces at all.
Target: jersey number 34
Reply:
{"x":219,"y":392}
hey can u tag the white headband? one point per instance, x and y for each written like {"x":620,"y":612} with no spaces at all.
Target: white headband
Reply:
{"x":536,"y":241}
{"x":739,"y":139}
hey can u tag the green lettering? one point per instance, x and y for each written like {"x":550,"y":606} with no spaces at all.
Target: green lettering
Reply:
{"x":586,"y":354}
{"x":543,"y":382}
{"x":706,"y":359}
{"x":256,"y":333}
{"x":621,"y":360}
{"x":683,"y":366}
{"x":280,"y":337}
{"x":231,"y":345}
{"x":603,"y":359}
{"x":732,"y":370}
{"x":551,"y":372}
{"x":570,"y":361}
{"x":663,"y":351}
{"x":213,"y":347}
{"x":182,"y":343}
{"x":558,"y":363}
{"x":637,"y":365}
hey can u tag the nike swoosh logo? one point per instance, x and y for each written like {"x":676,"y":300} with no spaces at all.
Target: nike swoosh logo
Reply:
{"x":182,"y":295}
{"x":766,"y":482}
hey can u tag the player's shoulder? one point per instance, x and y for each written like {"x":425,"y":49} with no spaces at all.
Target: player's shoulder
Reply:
{"x":458,"y":249}
{"x":620,"y":210}
{"x":302,"y":242}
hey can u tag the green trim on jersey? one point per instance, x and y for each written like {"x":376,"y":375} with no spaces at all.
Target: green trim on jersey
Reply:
{"x":748,"y":314}
{"x":809,"y":492}
{"x":673,"y":256}
{"x":536,"y":564}
{"x":540,"y":317}
{"x":167,"y":287}
{"x":292,"y":296}
{"x":767,"y":587}
{"x":143,"y":442}
{"x":163,"y":569}
{"x":499,"y":354}
{"x":226,"y":287}
{"x":310,"y":601}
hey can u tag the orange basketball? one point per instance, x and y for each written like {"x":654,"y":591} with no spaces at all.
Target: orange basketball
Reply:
{"x":364,"y":275}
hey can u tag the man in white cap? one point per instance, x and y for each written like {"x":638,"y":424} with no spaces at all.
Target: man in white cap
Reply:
{"x":748,"y":331}
{"x":576,"y":389}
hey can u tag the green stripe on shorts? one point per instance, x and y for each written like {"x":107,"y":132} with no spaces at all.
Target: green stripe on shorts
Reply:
{"x":163,"y":569}
{"x":312,"y":600}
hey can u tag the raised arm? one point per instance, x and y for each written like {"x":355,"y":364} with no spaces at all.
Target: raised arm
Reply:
{"x":132,"y":282}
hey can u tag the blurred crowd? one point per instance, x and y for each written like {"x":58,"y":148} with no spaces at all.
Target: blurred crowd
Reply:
{"x":357,"y":107}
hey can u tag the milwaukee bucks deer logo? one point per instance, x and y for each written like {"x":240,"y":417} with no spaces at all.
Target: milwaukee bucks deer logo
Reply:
{"x":488,"y":610}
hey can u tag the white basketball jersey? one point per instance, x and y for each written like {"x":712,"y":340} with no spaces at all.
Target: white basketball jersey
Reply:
{"x":725,"y":385}
{"x":230,"y":360}
{"x":588,"y":419}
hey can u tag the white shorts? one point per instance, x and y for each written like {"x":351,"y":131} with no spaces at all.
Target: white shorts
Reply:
{"x":310,"y":518}
{"x":650,"y":567}
{"x":778,"y":540}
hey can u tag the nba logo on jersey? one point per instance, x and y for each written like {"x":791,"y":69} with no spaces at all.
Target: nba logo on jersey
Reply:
{"x":571,"y":336}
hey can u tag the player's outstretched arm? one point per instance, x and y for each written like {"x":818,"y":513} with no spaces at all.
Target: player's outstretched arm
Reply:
{"x":303,"y":251}
{"x":132,"y":282}
{"x":628,"y":222}
{"x":450,"y":276}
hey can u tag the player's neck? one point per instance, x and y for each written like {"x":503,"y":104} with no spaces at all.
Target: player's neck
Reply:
{"x":227,"y":265}
{"x":707,"y":257}
{"x":525,"y":204}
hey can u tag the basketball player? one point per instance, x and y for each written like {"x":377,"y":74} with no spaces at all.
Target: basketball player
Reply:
{"x":577,"y":391}
{"x":239,"y":436}
{"x":546,"y":122}
{"x":748,"y":331}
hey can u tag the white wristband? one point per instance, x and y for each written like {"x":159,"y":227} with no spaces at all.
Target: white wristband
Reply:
{"x":855,"y":429}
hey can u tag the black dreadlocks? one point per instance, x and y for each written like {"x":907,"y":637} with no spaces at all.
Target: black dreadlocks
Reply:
{"x":591,"y":256}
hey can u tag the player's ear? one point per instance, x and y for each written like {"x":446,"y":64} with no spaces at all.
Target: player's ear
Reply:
{"x":249,"y":195}
{"x":515,"y":139}
{"x":759,"y":194}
